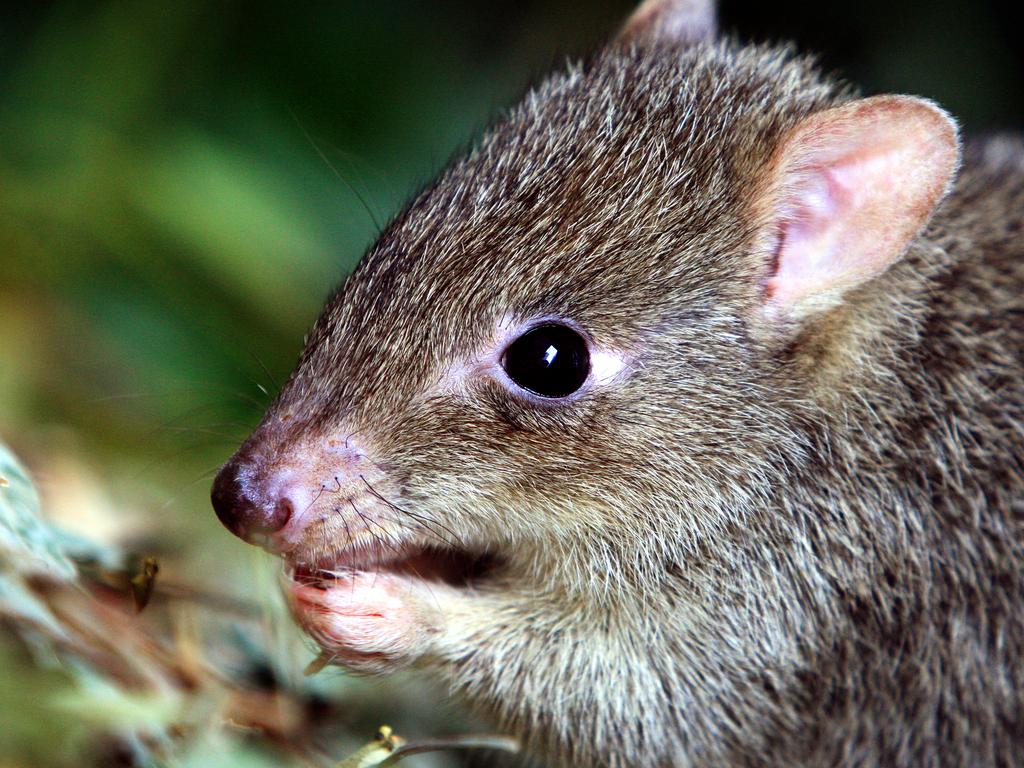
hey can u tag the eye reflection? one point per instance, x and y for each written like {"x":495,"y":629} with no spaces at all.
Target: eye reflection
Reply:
{"x":551,"y":360}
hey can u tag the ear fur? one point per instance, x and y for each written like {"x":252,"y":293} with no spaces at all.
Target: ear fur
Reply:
{"x":848,"y":190}
{"x":670,"y":21}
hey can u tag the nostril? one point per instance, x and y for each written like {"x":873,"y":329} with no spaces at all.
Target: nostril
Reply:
{"x":243,"y":510}
{"x":279,"y":518}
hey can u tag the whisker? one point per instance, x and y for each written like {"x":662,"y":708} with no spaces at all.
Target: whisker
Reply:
{"x":266,"y":371}
{"x":234,"y":438}
{"x":205,"y":475}
{"x":229,"y":395}
{"x":352,"y":188}
{"x":408,"y":564}
{"x":389,"y":542}
{"x":166,"y":456}
{"x":420,"y":518}
{"x":315,"y":500}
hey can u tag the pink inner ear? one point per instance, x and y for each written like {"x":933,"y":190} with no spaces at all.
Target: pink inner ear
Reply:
{"x":814,"y":234}
{"x":853,"y":186}
{"x":805,"y":225}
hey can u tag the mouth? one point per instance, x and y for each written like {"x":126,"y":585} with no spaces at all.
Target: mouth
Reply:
{"x":425,"y":562}
{"x":378,"y":605}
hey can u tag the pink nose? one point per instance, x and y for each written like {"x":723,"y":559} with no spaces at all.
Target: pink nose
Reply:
{"x":268,"y":495}
{"x":244,"y":506}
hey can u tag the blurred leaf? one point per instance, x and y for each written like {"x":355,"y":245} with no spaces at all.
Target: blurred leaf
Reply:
{"x":31,"y":732}
{"x":99,"y":702}
{"x":27,"y":545}
{"x":32,"y":549}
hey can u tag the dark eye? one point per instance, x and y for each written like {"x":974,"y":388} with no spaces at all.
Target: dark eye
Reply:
{"x":550,"y":360}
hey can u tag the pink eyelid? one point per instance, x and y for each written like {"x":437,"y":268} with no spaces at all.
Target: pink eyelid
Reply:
{"x":607,"y":364}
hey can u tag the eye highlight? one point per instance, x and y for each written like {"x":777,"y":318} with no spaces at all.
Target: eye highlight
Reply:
{"x":550,"y":360}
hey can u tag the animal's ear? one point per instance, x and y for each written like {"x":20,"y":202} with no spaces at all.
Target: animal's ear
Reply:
{"x":670,"y":21}
{"x":847,"y":191}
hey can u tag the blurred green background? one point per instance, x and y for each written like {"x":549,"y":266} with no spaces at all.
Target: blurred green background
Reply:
{"x":181,"y":184}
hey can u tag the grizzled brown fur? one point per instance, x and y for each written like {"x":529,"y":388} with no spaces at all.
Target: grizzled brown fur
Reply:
{"x":791,"y":544}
